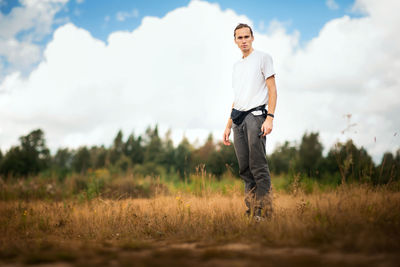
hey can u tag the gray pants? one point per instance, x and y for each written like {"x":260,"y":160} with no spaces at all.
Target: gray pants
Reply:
{"x":253,"y":167}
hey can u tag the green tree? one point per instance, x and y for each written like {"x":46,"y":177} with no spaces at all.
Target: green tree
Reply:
{"x":354,"y":164}
{"x":81,"y":162}
{"x":167,"y":153}
{"x":222,"y":160}
{"x":183,"y":158}
{"x":283,"y":158}
{"x":61,"y":162}
{"x":117,"y":149}
{"x":153,"y":146}
{"x":63,"y":158}
{"x":329,"y":164}
{"x":310,"y":154}
{"x":397,"y":164}
{"x":203,"y":154}
{"x":98,"y":156}
{"x":30,"y":157}
{"x":123,"y":163}
{"x":388,"y":169}
{"x":133,"y":149}
{"x":13,"y":163}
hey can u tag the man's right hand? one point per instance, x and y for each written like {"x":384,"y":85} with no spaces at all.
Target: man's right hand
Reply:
{"x":227,"y":132}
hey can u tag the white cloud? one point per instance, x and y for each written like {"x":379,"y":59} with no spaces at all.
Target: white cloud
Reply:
{"x":332,"y":4}
{"x":352,"y":67}
{"x":122,"y":15}
{"x":32,"y":21}
{"x":176,"y":71}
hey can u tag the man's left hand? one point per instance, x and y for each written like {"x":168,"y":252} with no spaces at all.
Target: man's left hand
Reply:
{"x":266,"y":127}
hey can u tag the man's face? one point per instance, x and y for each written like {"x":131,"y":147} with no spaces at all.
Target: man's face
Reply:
{"x":244,"y":39}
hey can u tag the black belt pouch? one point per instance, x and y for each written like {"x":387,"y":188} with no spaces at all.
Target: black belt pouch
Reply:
{"x":238,"y":116}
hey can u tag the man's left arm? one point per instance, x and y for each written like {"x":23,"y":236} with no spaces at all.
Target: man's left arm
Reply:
{"x":266,"y":127}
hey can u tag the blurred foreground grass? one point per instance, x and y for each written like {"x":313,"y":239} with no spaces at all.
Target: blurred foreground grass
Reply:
{"x":197,"y":221}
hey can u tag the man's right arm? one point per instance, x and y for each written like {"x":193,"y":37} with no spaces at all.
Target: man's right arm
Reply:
{"x":227,"y":131}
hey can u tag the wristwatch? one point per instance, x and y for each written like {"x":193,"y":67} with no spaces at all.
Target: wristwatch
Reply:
{"x":270,"y":114}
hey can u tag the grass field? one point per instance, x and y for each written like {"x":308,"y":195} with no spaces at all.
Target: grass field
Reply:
{"x":351,"y":225}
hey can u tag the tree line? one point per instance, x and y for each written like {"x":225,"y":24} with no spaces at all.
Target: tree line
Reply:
{"x":149,"y":154}
{"x":344,"y":162}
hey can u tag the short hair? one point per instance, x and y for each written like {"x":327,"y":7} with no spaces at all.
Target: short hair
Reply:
{"x":242,"y":25}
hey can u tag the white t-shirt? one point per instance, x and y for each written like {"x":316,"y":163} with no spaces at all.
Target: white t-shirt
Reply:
{"x":248,"y":80}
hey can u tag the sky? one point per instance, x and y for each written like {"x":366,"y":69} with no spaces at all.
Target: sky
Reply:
{"x":83,"y":69}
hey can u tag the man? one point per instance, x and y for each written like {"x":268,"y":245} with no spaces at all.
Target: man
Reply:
{"x":254,"y":87}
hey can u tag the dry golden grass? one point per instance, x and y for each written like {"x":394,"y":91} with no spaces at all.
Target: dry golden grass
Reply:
{"x":187,"y":229}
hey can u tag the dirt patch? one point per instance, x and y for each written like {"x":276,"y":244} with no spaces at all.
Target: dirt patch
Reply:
{"x":199,"y":254}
